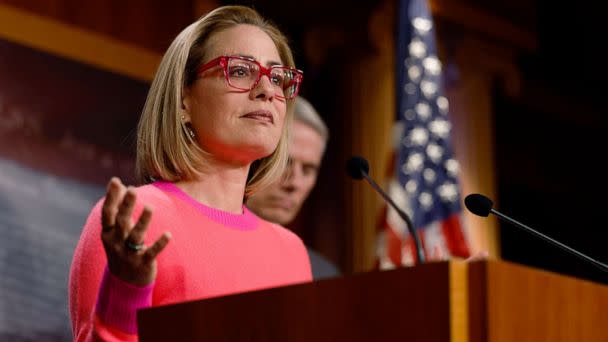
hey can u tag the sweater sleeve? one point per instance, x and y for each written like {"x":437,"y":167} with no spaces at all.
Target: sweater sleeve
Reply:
{"x":118,"y":302}
{"x":102,"y":307}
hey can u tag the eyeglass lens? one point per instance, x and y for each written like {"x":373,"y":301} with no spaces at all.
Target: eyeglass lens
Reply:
{"x":245,"y":74}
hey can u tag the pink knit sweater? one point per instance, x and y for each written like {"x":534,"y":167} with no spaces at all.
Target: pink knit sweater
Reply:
{"x":211,"y":253}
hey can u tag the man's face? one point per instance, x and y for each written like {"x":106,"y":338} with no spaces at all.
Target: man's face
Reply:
{"x":282,"y":201}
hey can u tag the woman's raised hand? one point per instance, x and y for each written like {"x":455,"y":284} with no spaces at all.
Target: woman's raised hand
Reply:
{"x":123,"y":240}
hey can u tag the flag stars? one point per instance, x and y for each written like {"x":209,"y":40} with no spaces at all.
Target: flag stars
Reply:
{"x":414,"y":163}
{"x":453,"y":167}
{"x":448,"y":192}
{"x":410,"y":89}
{"x":440,"y":128}
{"x":429,"y":176}
{"x":417,"y":48}
{"x":426,"y":200}
{"x":411,"y":186}
{"x":424,"y":110}
{"x":443,"y":104}
{"x":432,"y":65}
{"x":422,"y":25}
{"x":418,"y":136}
{"x":414,"y":73}
{"x":429,"y":88}
{"x":409,"y":114}
{"x":435,"y":153}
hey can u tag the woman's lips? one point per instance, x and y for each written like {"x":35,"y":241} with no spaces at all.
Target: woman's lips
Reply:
{"x":262,"y":115}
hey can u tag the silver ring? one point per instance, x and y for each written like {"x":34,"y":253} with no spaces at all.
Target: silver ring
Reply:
{"x":134,"y":246}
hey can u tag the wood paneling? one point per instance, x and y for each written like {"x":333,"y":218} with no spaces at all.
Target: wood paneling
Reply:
{"x":534,"y":305}
{"x":74,"y":43}
{"x":147,"y":24}
{"x":372,"y":96}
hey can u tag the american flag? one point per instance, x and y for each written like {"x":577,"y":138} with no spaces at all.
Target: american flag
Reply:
{"x":424,"y":174}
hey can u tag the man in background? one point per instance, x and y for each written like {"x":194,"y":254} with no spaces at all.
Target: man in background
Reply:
{"x":281,"y":202}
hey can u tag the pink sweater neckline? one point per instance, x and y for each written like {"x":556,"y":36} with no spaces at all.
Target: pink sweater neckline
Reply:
{"x":245,"y":221}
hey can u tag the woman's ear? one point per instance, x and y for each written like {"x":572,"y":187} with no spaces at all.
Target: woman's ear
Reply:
{"x":186,"y":104}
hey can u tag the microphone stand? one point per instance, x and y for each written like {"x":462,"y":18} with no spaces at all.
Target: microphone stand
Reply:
{"x":520,"y":225}
{"x":409,"y":224}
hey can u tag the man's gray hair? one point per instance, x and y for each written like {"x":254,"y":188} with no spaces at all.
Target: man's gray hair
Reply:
{"x":306,"y":114}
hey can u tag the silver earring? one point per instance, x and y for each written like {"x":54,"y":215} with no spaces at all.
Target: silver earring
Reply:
{"x":187,"y":126}
{"x":190,"y":131}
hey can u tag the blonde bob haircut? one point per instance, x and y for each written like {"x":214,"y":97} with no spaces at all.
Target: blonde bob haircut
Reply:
{"x":165,"y":150}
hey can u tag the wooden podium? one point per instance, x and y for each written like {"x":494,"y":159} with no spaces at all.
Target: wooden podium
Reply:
{"x":445,"y":301}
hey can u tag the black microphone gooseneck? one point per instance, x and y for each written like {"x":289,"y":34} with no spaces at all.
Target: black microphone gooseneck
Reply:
{"x":358,"y":168}
{"x":482,"y":206}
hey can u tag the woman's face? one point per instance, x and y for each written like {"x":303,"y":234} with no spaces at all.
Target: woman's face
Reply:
{"x":234,"y":125}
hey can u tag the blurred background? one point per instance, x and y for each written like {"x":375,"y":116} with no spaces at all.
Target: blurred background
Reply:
{"x":525,"y":80}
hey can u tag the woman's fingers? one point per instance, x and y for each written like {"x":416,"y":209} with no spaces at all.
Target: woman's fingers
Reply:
{"x":114,"y":194}
{"x":157,"y":247}
{"x":124,"y":221}
{"x":138,"y":233}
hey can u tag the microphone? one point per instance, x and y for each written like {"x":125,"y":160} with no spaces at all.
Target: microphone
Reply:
{"x":480,"y":205}
{"x":358,"y":168}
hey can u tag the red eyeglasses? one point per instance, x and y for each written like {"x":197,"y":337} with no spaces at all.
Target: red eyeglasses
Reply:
{"x":244,"y":73}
